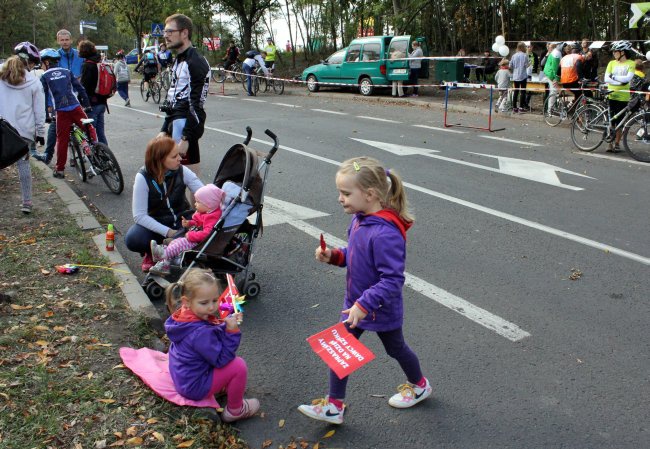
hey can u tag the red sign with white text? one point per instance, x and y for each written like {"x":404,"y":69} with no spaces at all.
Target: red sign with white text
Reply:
{"x":340,"y":350}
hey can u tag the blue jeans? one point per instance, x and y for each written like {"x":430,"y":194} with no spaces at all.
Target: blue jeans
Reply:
{"x":50,"y":142}
{"x":248,"y":70}
{"x":97,"y":113}
{"x":123,"y":89}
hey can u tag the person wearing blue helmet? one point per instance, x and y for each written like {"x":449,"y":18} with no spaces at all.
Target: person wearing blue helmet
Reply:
{"x":60,"y":86}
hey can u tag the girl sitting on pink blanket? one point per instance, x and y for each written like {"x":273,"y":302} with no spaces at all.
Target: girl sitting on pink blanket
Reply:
{"x":202,"y":359}
{"x":208,"y":204}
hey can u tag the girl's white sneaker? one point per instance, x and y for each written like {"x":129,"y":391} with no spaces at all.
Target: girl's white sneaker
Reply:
{"x":409,"y":394}
{"x":323,"y":410}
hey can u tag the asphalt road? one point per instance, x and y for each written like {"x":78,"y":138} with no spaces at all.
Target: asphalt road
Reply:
{"x":519,"y":354}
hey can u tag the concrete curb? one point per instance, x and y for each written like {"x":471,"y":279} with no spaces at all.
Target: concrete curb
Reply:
{"x":136,"y":298}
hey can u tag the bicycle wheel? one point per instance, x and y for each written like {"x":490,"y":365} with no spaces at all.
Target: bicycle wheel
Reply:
{"x":636,"y":137}
{"x":237,"y":72}
{"x":278,"y":86}
{"x":78,"y":158}
{"x":155,"y":91}
{"x":166,"y":80}
{"x":588,"y":128}
{"x":143,"y":91}
{"x":256,"y":85}
{"x":219,"y":74}
{"x":554,"y":113}
{"x":108,"y":167}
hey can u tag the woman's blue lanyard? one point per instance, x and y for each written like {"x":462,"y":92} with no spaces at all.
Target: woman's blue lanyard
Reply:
{"x":157,"y":186}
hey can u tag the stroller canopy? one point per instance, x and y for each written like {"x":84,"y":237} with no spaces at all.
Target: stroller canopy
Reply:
{"x":240,"y":165}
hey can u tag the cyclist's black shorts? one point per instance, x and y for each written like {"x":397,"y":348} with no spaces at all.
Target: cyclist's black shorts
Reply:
{"x":149,"y":73}
{"x":269,"y":64}
{"x":616,"y":106}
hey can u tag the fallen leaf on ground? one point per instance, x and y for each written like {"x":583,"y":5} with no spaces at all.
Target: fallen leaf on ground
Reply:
{"x":266,"y":443}
{"x":158,"y":436}
{"x":281,"y":423}
{"x":135,"y":441}
{"x":187,"y":443}
{"x":329,"y":434}
{"x":106,"y":401}
{"x":17,"y":307}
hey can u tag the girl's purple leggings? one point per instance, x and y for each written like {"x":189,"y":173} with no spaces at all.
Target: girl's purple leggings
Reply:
{"x":395,"y":347}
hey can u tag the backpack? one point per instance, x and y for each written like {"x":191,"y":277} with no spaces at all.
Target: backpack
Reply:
{"x":106,"y":81}
{"x":150,"y":60}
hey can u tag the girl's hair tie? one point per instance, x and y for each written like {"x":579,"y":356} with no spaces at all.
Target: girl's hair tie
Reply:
{"x":356,"y":166}
{"x":388,"y":172}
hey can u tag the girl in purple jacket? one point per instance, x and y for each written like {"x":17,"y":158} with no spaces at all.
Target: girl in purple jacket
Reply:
{"x":202,"y":358}
{"x":375,"y":258}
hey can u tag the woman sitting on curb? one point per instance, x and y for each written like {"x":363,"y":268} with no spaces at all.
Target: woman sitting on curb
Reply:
{"x":159,"y":197}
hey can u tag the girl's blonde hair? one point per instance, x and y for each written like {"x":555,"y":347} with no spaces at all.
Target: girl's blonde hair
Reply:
{"x":387,"y":184}
{"x":194,"y":279}
{"x":13,"y":71}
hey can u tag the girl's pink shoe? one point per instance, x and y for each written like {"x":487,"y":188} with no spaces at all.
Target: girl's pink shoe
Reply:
{"x":250,"y":407}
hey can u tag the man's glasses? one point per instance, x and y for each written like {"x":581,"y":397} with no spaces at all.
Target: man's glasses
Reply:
{"x":170,"y":31}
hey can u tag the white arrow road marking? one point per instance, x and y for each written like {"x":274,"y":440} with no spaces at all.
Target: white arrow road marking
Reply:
{"x":400,"y":150}
{"x":292,"y":214}
{"x":503,"y":139}
{"x":505,"y":216}
{"x":519,"y":168}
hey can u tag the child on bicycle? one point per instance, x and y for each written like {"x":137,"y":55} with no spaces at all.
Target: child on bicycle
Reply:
{"x":375,"y":259}
{"x":60,"y":87}
{"x":208,"y":204}
{"x":502,"y":78}
{"x":253,"y":57}
{"x":202,"y":354}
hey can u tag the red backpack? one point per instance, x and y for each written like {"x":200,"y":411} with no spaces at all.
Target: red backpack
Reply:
{"x":106,"y":81}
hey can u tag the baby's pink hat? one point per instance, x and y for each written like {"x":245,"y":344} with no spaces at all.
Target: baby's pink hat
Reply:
{"x":210,"y":195}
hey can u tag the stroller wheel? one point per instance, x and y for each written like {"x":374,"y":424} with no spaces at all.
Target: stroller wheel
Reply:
{"x":154,"y":291}
{"x":252,"y":290}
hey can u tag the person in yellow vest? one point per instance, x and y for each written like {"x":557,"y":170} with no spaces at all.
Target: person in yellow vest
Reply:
{"x":618,"y":75}
{"x":569,"y":76}
{"x":272,"y":53}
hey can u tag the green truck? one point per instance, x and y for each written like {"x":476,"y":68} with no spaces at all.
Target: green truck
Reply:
{"x":367,"y":62}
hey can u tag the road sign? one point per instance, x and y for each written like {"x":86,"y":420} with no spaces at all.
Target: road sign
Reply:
{"x":157,"y":29}
{"x":85,"y":24}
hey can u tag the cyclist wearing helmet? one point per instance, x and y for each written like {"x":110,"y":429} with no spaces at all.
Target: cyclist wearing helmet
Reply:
{"x":60,"y":86}
{"x":618,"y":75}
{"x":570,"y":75}
{"x":252,"y":57}
{"x":551,"y":69}
{"x":28,"y":53}
{"x":70,"y":58}
{"x":150,"y":67}
{"x":165,"y":56}
{"x":23,"y":106}
{"x":271,"y":53}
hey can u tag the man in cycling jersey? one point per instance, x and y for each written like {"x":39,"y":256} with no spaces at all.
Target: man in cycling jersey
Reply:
{"x":551,"y":69}
{"x":253,"y":57}
{"x":272,"y":53}
{"x":60,"y":87}
{"x":186,"y":97}
{"x":231,"y":57}
{"x":165,"y":57}
{"x":150,"y":67}
{"x":570,"y":70}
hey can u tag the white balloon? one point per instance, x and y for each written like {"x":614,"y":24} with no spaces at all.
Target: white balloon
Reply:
{"x":647,"y":56}
{"x":500,"y":40}
{"x":504,"y":50}
{"x":495,"y":47}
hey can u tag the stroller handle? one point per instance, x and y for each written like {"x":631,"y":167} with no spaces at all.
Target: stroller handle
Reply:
{"x":276,"y":144}
{"x":249,"y":134}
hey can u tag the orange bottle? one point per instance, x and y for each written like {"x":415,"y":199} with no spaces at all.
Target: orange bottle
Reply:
{"x":110,"y":238}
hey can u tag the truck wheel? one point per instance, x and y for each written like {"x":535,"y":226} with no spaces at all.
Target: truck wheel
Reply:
{"x":312,"y":84}
{"x":366,"y":87}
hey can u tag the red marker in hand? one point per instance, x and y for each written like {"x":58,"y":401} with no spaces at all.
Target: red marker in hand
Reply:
{"x":323,"y":246}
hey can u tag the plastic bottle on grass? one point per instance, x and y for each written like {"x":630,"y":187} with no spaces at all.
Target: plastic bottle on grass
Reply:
{"x":110,"y":238}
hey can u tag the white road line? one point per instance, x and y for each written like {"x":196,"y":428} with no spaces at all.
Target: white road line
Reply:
{"x":465,"y":308}
{"x":520,"y":142}
{"x":378,"y":119}
{"x":330,"y":112}
{"x":254,"y":100}
{"x":287,"y":105}
{"x":435,"y":128}
{"x":531,"y":224}
{"x":612,"y":158}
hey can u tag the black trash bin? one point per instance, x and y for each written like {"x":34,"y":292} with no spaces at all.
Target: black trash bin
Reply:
{"x":449,"y":70}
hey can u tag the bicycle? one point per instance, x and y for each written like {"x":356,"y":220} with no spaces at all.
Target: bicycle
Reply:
{"x":166,"y":78}
{"x":262,"y":82}
{"x":152,"y":91}
{"x":562,"y":107}
{"x":92,"y":158}
{"x":594,"y":122}
{"x":235,"y":71}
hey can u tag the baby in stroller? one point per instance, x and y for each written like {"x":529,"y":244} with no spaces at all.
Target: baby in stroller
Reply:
{"x":209,"y":201}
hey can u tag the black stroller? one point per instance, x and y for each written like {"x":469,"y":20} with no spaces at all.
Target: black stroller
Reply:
{"x":229,"y":247}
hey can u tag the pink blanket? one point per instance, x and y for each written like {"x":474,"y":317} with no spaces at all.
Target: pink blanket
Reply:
{"x":153,"y":368}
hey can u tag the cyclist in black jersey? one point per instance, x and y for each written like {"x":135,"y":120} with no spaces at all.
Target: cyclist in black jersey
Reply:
{"x":185,"y":117}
